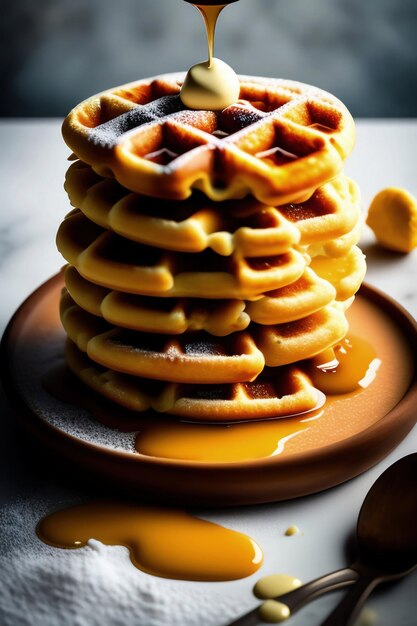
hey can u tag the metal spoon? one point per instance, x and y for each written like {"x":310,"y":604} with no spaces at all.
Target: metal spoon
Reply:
{"x":386,"y":534}
{"x":387,"y":540}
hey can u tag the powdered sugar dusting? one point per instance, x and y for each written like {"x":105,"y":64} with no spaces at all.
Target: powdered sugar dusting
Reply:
{"x":107,"y":134}
{"x":38,"y":358}
{"x":94,"y":585}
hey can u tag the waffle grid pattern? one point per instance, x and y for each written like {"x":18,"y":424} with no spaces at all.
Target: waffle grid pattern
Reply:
{"x":279,"y":142}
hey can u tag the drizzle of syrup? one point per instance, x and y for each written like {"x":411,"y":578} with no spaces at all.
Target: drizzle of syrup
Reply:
{"x":163,"y":542}
{"x":212,"y":84}
{"x":210,"y":10}
{"x":210,"y":15}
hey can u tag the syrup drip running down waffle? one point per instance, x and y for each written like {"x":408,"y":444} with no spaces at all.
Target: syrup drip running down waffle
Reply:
{"x":208,"y":254}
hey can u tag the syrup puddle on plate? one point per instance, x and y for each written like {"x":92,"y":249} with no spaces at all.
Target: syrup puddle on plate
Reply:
{"x":345,"y":371}
{"x":352,"y":366}
{"x":169,"y":437}
{"x":222,"y":443}
{"x":375,"y":345}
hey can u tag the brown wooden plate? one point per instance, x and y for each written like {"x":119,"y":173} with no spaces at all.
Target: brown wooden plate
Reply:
{"x":34,"y":341}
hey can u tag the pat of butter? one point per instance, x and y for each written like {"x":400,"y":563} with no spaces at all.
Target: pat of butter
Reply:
{"x":292,"y":530}
{"x":273,"y":612}
{"x":393,"y":218}
{"x":210,"y":86}
{"x":275,"y":585}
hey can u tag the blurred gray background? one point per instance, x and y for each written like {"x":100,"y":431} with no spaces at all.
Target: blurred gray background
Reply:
{"x":57,"y":52}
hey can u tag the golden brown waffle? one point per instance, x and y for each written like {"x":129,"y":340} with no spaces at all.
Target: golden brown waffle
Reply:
{"x":218,"y":317}
{"x":279,"y":142}
{"x":331,"y":214}
{"x":170,"y":316}
{"x":345,"y":273}
{"x":275,"y":393}
{"x":245,"y":226}
{"x":305,"y":296}
{"x":199,"y":357}
{"x":191,"y":358}
{"x":107,"y":259}
{"x":302,"y":339}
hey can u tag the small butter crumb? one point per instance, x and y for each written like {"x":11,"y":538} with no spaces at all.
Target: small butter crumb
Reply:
{"x":274,"y":585}
{"x":292,"y":530}
{"x":273,"y":612}
{"x":366,"y":618}
{"x":393,"y":218}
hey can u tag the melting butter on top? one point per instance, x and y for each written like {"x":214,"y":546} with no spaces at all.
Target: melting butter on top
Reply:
{"x":212,"y":84}
{"x":163,"y":542}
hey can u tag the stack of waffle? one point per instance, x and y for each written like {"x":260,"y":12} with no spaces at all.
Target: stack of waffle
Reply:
{"x":209,"y":254}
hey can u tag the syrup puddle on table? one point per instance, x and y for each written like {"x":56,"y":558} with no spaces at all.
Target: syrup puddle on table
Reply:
{"x":164,"y":542}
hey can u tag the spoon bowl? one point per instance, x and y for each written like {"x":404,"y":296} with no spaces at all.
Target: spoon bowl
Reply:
{"x":386,"y":535}
{"x":386,"y":530}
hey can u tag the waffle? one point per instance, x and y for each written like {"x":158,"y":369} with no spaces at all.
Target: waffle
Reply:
{"x":245,"y":226}
{"x":279,"y":142}
{"x":275,"y":393}
{"x":192,"y":358}
{"x":199,"y":357}
{"x":331,"y":215}
{"x":218,"y":317}
{"x":294,"y":341}
{"x":171,"y":316}
{"x":209,"y":253}
{"x":345,"y":273}
{"x":107,"y":259}
{"x":305,"y":296}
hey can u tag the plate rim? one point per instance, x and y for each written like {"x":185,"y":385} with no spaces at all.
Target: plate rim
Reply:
{"x":402,"y":413}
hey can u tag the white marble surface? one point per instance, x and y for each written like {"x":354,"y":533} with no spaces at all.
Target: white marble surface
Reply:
{"x":33,"y":163}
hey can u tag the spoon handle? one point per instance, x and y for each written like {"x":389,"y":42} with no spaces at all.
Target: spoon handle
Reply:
{"x":315,"y":588}
{"x":297,"y":598}
{"x":348,"y":609}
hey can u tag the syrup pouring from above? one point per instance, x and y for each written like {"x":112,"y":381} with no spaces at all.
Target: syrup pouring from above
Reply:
{"x":386,"y":536}
{"x":211,"y":84}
